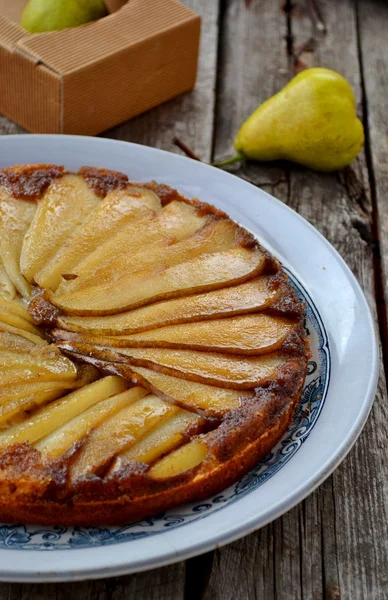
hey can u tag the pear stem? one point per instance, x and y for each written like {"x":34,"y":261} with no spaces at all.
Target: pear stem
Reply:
{"x":231,"y":160}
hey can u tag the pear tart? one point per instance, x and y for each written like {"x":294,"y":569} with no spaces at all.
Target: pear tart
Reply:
{"x":151,"y":351}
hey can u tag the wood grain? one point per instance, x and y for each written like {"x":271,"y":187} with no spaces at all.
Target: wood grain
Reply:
{"x":335,"y":543}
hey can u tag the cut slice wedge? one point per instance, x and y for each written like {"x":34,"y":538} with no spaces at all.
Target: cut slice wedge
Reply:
{"x":252,"y":296}
{"x":15,"y":219}
{"x":170,"y":434}
{"x":48,"y":419}
{"x":183,"y":459}
{"x":209,"y":398}
{"x":209,"y":271}
{"x":175,"y":222}
{"x":60,"y":441}
{"x":65,"y":205}
{"x":249,"y":334}
{"x":119,"y":208}
{"x":119,"y":432}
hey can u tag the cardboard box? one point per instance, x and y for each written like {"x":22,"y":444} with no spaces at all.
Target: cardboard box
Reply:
{"x":89,"y":78}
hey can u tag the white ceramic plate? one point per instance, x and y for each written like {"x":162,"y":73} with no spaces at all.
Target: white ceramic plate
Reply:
{"x":338,"y":395}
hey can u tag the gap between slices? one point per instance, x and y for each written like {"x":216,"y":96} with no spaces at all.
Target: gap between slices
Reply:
{"x":210,"y":271}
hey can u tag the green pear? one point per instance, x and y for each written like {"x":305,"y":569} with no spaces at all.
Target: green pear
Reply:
{"x":50,"y":15}
{"x":312,"y":121}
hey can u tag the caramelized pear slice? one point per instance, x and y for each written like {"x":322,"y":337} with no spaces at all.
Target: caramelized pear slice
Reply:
{"x":174,"y":222}
{"x":51,"y":417}
{"x":13,"y":410}
{"x":119,"y":208}
{"x":32,"y":337}
{"x":208,"y":271}
{"x":15,"y":219}
{"x":7,"y":288}
{"x":161,"y":440}
{"x":60,"y":441}
{"x":249,"y":334}
{"x":183,"y":459}
{"x":66,"y":204}
{"x":222,"y":370}
{"x":215,"y":236}
{"x":190,"y":393}
{"x":15,"y":307}
{"x":119,"y":432}
{"x":251,"y":296}
{"x":17,"y":321}
{"x":15,"y":343}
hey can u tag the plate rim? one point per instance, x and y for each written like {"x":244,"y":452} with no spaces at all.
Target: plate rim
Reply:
{"x":289,"y":501}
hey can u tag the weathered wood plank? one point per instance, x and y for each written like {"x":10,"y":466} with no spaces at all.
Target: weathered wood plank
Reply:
{"x":323,"y":547}
{"x":373,"y":20}
{"x":340,"y":207}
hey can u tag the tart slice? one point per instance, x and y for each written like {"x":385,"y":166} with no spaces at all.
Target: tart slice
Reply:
{"x":151,"y":351}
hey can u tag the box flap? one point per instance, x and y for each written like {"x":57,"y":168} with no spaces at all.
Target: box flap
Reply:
{"x":73,"y":49}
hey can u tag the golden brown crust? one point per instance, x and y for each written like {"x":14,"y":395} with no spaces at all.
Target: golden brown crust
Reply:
{"x":35,"y":489}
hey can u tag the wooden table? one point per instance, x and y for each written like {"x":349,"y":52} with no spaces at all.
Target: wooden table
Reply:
{"x":335,"y":543}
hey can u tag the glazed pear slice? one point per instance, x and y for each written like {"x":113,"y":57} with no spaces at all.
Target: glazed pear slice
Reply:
{"x":239,"y":372}
{"x":39,"y":365}
{"x":15,"y":343}
{"x":119,"y":432}
{"x":190,"y":393}
{"x":7,"y":288}
{"x":183,"y":459}
{"x":66,"y":204}
{"x":32,"y":337}
{"x":51,"y":417}
{"x":208,"y":271}
{"x":221,"y":370}
{"x":254,"y":295}
{"x":170,"y":434}
{"x":42,"y":360}
{"x":15,"y":219}
{"x":11,"y":375}
{"x":119,"y":208}
{"x":30,"y":396}
{"x":176,"y":221}
{"x":10,"y":318}
{"x":215,"y":236}
{"x":15,"y":307}
{"x":60,"y":441}
{"x":248,"y":334}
